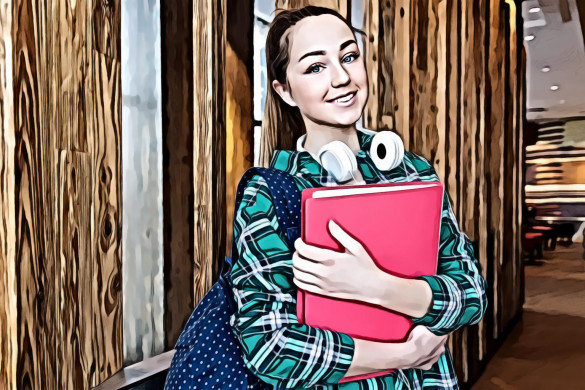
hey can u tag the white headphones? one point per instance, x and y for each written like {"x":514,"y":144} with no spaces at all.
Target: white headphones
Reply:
{"x":386,"y":151}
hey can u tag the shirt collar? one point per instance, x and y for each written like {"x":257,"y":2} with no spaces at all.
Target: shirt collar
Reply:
{"x":302,"y":163}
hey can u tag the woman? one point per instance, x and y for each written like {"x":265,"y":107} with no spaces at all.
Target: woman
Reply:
{"x":319,"y":89}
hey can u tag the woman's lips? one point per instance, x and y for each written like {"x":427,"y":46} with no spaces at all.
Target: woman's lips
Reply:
{"x":345,"y":101}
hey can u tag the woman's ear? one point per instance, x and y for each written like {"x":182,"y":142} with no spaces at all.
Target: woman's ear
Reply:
{"x":284,"y":92}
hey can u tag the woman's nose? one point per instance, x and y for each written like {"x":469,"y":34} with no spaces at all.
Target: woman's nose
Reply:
{"x":340,"y":76}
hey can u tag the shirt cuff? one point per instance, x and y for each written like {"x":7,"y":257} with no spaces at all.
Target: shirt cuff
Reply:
{"x":440,"y":302}
{"x":347,"y":349}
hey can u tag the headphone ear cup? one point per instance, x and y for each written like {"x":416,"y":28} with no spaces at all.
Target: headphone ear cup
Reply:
{"x":386,"y":150}
{"x":338,"y":159}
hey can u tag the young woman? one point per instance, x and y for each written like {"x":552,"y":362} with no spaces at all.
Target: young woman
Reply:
{"x":318,"y":90}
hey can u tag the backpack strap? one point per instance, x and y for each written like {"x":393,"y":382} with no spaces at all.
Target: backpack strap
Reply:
{"x":285,"y":195}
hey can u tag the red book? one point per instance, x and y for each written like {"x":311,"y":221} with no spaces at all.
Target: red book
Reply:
{"x":398,"y":224}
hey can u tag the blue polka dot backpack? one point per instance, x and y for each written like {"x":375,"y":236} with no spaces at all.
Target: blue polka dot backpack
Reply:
{"x":208,"y":355}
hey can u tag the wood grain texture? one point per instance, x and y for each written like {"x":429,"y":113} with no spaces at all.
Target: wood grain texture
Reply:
{"x":239,"y":102}
{"x":372,"y":51}
{"x":178,"y":187}
{"x":341,"y":6}
{"x":447,"y":81}
{"x":104,"y":98}
{"x":495,"y":122}
{"x":8,"y":245}
{"x":34,"y":230}
{"x":63,"y":195}
{"x":209,"y":180}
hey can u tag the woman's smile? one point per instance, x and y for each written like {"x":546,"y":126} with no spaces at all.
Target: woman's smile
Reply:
{"x":344,"y":100}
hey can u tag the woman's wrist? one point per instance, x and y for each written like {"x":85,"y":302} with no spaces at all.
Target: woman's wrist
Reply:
{"x":412,"y":297}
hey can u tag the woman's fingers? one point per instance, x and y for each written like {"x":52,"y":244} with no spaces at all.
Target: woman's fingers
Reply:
{"x":306,"y":286}
{"x":426,"y":347}
{"x":307,"y":278}
{"x":313,"y":252}
{"x":306,"y":265}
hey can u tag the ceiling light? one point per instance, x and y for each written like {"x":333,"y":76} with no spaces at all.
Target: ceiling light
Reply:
{"x":554,"y":87}
{"x":545,"y":69}
{"x":529,"y":37}
{"x":534,"y":10}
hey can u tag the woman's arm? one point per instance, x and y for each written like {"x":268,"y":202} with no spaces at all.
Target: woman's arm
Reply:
{"x":421,"y":350}
{"x":276,"y":348}
{"x":458,"y":289}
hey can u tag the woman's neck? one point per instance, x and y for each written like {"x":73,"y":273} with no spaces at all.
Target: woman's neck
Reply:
{"x":320,"y":136}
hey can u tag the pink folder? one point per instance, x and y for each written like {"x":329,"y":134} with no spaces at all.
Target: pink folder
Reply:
{"x":398,"y":224}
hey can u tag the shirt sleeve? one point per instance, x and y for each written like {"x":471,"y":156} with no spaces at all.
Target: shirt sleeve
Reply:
{"x":276,"y":347}
{"x":458,"y":288}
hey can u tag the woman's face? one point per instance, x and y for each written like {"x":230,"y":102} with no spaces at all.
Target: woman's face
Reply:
{"x":326,"y":75}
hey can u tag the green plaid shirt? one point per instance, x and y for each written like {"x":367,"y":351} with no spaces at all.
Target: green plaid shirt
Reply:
{"x":286,"y":354}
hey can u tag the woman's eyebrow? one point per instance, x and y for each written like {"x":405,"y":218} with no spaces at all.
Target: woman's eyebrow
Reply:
{"x":322,"y":52}
{"x":346,"y":44}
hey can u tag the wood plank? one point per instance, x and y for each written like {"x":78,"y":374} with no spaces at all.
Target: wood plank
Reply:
{"x":209,"y":180}
{"x":104,"y":136}
{"x":373,"y":52}
{"x":424,"y":31}
{"x":341,"y":6}
{"x":74,"y":348}
{"x":8,"y":245}
{"x":178,"y":186}
{"x":494,"y":161}
{"x":239,"y":102}
{"x":34,"y":208}
{"x":138,"y":372}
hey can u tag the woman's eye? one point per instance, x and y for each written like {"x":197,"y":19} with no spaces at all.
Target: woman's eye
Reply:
{"x":349,"y":58}
{"x":314,"y":69}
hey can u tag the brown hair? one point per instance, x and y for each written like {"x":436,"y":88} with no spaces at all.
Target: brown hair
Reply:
{"x":283,"y":124}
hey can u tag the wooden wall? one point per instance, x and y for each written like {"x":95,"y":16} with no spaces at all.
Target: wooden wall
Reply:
{"x":60,"y":176}
{"x":447,"y":75}
{"x":61,"y":254}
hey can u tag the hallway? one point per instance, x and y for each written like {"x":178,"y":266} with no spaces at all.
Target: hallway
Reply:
{"x":546,"y":350}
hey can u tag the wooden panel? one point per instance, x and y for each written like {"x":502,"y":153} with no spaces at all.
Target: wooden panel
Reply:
{"x":494,"y":162}
{"x":63,"y":196}
{"x":392,"y":109}
{"x":379,"y":90}
{"x":424,"y":31}
{"x":104,"y":122}
{"x":209,"y":143}
{"x":340,"y":5}
{"x":178,"y":186}
{"x":8,"y":245}
{"x":448,"y":83}
{"x":239,"y":100}
{"x":34,"y":208}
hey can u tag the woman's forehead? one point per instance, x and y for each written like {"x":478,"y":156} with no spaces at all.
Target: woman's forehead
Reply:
{"x":316,"y":33}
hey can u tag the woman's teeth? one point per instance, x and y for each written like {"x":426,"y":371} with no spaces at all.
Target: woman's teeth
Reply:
{"x":345,"y":99}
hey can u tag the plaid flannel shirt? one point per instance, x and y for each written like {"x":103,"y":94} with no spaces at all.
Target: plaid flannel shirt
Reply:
{"x":286,"y":354}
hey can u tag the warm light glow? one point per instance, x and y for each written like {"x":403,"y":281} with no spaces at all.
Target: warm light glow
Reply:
{"x":554,"y":87}
{"x":545,"y":69}
{"x":554,"y":187}
{"x":529,"y":37}
{"x":534,"y":10}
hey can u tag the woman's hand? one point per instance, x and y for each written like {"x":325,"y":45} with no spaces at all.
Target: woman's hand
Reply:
{"x":354,"y":275}
{"x":346,"y":275}
{"x":422,"y":349}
